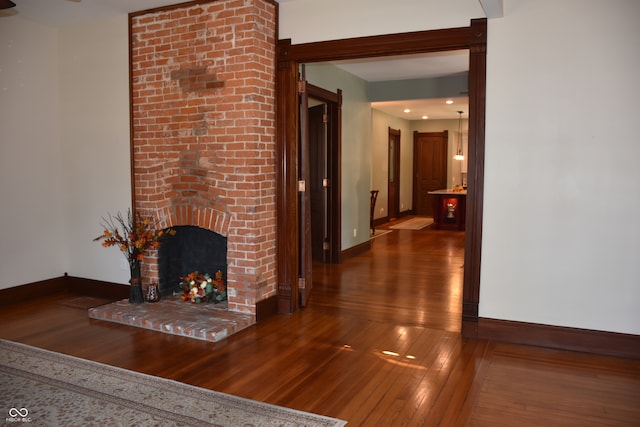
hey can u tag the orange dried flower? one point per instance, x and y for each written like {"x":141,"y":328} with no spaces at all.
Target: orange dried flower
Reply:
{"x":140,"y":233}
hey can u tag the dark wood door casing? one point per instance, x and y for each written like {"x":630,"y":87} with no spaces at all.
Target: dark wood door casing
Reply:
{"x":289,"y":56}
{"x":393,"y":182}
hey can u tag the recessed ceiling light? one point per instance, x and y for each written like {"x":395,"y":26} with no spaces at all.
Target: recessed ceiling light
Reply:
{"x":425,"y":117}
{"x":448,"y":102}
{"x":406,"y":110}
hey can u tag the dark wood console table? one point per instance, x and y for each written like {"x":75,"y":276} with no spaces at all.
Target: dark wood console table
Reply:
{"x":449,"y":209}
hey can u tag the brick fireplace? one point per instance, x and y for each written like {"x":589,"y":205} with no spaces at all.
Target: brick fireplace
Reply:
{"x":203,"y":132}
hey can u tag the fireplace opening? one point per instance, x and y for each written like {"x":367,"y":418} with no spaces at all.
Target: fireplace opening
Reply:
{"x":190,"y":249}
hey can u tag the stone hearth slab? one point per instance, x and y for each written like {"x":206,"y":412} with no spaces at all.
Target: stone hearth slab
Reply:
{"x":208,"y":322}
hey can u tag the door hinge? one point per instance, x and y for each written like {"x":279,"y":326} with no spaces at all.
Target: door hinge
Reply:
{"x":325,"y":245}
{"x":325,"y":182}
{"x":302,"y":86}
{"x":302,"y":186}
{"x":325,"y":118}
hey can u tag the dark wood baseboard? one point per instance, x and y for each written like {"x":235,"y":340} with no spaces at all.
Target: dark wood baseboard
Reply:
{"x":97,"y":288}
{"x":379,"y":221}
{"x":26,"y":292}
{"x":266,"y":308}
{"x":559,"y":337}
{"x":76,"y":285}
{"x":355,"y":250}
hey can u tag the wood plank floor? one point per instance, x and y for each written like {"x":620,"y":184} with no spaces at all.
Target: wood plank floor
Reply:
{"x":379,"y":345}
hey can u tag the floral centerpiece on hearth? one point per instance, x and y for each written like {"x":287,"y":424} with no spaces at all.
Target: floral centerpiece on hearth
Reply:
{"x":133,"y":235}
{"x":198,"y":288}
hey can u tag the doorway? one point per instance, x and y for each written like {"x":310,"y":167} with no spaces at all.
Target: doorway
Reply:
{"x":430,"y":168}
{"x":324,"y":121}
{"x":393,"y":180}
{"x":473,"y":38}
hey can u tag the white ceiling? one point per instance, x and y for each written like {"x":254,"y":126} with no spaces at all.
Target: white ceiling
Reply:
{"x":61,"y":13}
{"x":405,"y":67}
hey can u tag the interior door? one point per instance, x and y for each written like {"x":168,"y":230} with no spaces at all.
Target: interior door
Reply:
{"x":305,"y":280}
{"x":318,"y":183}
{"x":393,"y":186}
{"x":324,"y":145}
{"x":430,"y":168}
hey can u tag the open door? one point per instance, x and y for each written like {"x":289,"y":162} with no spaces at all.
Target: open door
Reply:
{"x":318,"y":185}
{"x":305,"y":280}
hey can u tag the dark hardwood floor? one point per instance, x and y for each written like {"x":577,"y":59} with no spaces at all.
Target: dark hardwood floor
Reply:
{"x":379,"y":345}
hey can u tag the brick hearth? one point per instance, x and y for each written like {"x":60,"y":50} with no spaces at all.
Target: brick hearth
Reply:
{"x":208,"y":322}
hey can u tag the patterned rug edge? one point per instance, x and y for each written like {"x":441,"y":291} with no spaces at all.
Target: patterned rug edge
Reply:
{"x":170,"y":402}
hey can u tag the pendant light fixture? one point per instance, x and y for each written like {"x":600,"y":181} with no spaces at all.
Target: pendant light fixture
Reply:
{"x":459,"y":155}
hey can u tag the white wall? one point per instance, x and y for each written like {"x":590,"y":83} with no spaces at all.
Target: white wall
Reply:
{"x":305,"y":21}
{"x":32,"y":239}
{"x":356,"y":148}
{"x":560,"y":238}
{"x":64,"y":156}
{"x":94,"y":109}
{"x":561,"y":241}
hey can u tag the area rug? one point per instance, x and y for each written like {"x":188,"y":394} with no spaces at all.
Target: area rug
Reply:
{"x":40,"y":387}
{"x":417,"y":223}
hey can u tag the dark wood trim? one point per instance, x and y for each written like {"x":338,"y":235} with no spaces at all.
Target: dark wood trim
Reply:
{"x":323,"y":94}
{"x":396,"y":168}
{"x":558,"y":337}
{"x":76,"y":285}
{"x":475,"y":175}
{"x":380,"y":221}
{"x":266,"y":308}
{"x":290,"y":56}
{"x":27,"y":291}
{"x":287,"y":129}
{"x":383,"y":45}
{"x":97,"y":288}
{"x":356,"y":250}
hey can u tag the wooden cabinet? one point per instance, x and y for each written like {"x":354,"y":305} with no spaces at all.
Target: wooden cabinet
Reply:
{"x":449,"y":209}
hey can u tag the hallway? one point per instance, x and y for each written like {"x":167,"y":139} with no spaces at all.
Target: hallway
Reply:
{"x":411,"y":278}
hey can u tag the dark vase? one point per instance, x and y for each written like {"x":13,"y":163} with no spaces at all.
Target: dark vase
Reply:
{"x":135,"y":293}
{"x":153,"y":295}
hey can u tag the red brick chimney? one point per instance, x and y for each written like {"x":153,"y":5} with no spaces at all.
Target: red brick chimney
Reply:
{"x":203,"y":111}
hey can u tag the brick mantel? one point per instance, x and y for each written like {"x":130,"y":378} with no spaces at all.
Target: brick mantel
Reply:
{"x":203,"y":114}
